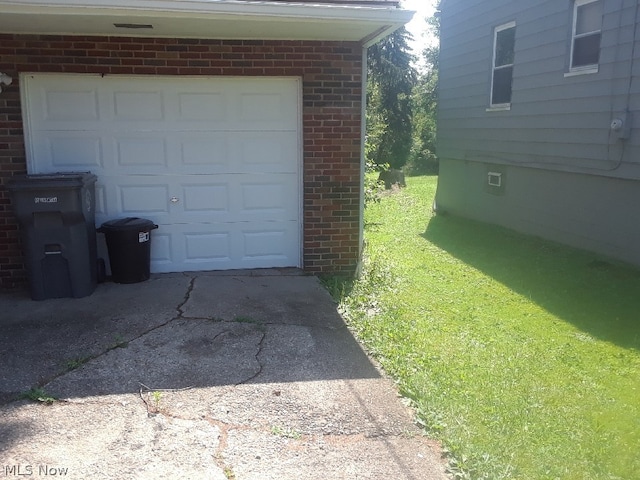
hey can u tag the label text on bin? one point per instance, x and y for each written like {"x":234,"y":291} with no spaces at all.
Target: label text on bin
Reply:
{"x":45,"y":199}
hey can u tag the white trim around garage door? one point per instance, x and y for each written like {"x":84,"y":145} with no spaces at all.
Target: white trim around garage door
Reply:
{"x":216,"y":162}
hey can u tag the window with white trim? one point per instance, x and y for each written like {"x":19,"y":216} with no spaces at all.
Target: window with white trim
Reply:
{"x":585,"y":35}
{"x":504,"y":42}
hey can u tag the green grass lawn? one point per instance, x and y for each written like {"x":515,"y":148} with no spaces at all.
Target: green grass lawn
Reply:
{"x":521,"y":356}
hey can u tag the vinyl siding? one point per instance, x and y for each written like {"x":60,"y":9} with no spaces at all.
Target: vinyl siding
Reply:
{"x":566,"y":177}
{"x":555,"y":121}
{"x":599,"y":214}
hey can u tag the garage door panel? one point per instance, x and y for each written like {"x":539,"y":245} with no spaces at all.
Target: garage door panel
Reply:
{"x":234,"y":152}
{"x":203,"y":198}
{"x":162,"y":251}
{"x":209,"y":107}
{"x":265,"y":198}
{"x":70,"y":105}
{"x":207,"y":246}
{"x":138,"y":106}
{"x":68,"y":151}
{"x":262,"y":108}
{"x":221,"y":247}
{"x":142,"y":199}
{"x":236,"y":198}
{"x":214,"y":162}
{"x":202,"y":152}
{"x":144,"y":150}
{"x":54,"y":104}
{"x":62,"y":105}
{"x":267,"y":151}
{"x":196,"y":247}
{"x":160,"y":153}
{"x":268,"y":243}
{"x":101,"y":201}
{"x":210,"y":198}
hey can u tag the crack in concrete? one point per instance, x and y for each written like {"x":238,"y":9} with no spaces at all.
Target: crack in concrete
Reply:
{"x":257,"y":357}
{"x":186,"y":298}
{"x":45,"y":381}
{"x":223,"y":442}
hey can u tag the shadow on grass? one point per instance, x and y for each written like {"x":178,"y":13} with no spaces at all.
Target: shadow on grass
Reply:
{"x":598,"y":296}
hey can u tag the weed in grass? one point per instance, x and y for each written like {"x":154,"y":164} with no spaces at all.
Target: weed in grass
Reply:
{"x":337,"y":286}
{"x":38,"y":395}
{"x":521,"y":356}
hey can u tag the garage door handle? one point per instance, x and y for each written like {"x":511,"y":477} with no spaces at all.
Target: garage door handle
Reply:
{"x":174,"y":199}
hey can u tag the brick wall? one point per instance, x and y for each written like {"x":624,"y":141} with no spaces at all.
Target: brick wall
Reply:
{"x":331,"y":73}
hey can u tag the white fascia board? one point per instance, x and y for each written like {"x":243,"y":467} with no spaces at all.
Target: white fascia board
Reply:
{"x":225,"y":7}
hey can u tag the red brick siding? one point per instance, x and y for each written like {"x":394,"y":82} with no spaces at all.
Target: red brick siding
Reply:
{"x":331,"y":73}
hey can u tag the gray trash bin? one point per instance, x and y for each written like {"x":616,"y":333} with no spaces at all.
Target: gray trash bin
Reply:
{"x":56,"y":213}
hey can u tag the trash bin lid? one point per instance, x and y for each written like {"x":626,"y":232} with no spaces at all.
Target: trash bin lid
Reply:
{"x":127,"y":224}
{"x":51,"y":180}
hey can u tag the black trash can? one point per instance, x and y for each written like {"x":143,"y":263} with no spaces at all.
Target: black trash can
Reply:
{"x":56,"y":213}
{"x":129,"y":245}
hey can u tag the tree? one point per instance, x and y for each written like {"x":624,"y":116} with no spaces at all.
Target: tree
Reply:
{"x":424,"y":103}
{"x":391,"y":81}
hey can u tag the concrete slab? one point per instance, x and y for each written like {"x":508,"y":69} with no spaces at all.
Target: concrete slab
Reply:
{"x":239,"y":375}
{"x":40,"y":340}
{"x":285,"y":299}
{"x":263,"y":456}
{"x":106,"y":438}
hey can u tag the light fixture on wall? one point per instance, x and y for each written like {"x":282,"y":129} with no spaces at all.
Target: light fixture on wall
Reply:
{"x":5,"y":80}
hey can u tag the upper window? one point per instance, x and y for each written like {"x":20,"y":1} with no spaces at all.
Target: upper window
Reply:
{"x":504,"y":42}
{"x":585,"y":36}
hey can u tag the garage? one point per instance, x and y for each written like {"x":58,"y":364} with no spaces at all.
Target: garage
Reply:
{"x":215,"y":162}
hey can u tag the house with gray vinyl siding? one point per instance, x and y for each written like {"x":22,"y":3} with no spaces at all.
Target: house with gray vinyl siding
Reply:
{"x":539,"y":119}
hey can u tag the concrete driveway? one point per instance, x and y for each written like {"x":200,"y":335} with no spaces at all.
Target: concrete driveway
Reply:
{"x":244,"y":375}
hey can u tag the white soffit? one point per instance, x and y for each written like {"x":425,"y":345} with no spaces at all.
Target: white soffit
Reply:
{"x":219,"y":19}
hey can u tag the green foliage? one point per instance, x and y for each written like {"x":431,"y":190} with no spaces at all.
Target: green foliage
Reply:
{"x":38,"y":395}
{"x":77,"y":362}
{"x":373,"y":187}
{"x":520,"y":355}
{"x":423,"y":159}
{"x":157,"y":396}
{"x":390,"y":82}
{"x":424,"y":102}
{"x":229,"y":474}
{"x":285,"y":432}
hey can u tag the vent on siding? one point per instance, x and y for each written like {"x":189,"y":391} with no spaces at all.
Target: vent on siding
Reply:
{"x":496,"y":176}
{"x":495,"y":179}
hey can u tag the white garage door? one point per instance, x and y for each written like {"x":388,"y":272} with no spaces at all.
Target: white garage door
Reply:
{"x":215,"y":162}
